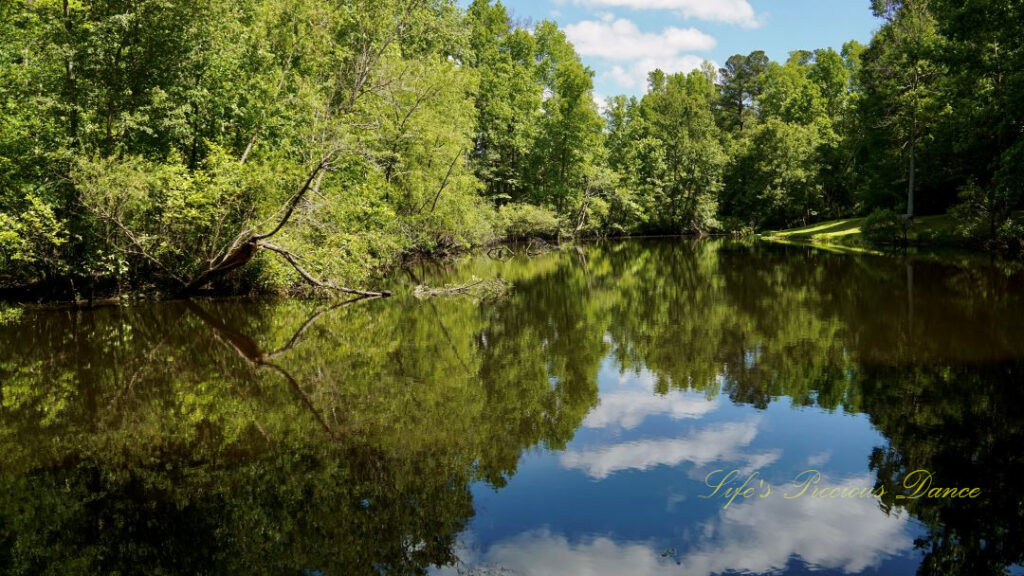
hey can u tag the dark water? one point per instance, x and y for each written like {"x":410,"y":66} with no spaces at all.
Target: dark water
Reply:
{"x":568,"y":428}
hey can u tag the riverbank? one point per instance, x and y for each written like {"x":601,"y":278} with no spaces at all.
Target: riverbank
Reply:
{"x":937,"y":231}
{"x":932,"y":237}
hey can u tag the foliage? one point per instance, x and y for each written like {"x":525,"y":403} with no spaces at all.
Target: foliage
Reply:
{"x":520,"y":221}
{"x":142,"y":141}
{"x":666,"y":149}
{"x":30,"y":240}
{"x":1009,"y":238}
{"x":982,"y":219}
{"x":161,"y":218}
{"x":606,"y":207}
{"x":885,"y":227}
{"x":10,"y":314}
{"x":775,"y":175}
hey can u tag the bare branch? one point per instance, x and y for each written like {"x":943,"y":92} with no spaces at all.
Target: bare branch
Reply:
{"x":482,"y":288}
{"x":291,"y":259}
{"x":140,"y":247}
{"x":294,"y":262}
{"x":422,"y":291}
{"x":297,"y":197}
{"x":248,"y":149}
{"x":444,"y":184}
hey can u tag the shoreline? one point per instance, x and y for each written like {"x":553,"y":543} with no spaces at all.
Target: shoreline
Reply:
{"x":951,"y":254}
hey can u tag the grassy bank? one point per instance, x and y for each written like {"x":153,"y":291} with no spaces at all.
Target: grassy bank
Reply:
{"x":933,"y":231}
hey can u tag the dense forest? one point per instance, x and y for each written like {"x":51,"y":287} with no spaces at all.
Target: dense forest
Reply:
{"x":258,"y":145}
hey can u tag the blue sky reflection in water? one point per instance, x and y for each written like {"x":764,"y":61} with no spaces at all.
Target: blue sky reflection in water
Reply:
{"x":624,"y":497}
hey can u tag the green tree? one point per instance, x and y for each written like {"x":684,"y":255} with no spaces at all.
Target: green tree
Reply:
{"x":901,"y":79}
{"x":667,"y":148}
{"x":508,"y":102}
{"x":569,"y":129}
{"x":984,"y":55}
{"x":635,"y":157}
{"x":777,"y":177}
{"x":740,"y":81}
{"x":775,"y":180}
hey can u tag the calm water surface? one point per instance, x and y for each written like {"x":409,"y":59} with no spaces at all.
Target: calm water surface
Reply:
{"x":568,"y":428}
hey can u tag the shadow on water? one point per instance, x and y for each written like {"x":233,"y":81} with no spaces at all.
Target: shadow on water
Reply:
{"x":300,"y":437}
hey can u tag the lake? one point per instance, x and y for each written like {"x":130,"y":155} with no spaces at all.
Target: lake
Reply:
{"x":637,"y":407}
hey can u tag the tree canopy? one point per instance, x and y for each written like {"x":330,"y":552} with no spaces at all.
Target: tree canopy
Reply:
{"x":270,"y":144}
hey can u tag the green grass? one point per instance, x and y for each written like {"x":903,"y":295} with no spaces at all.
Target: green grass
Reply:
{"x":831,"y":246}
{"x":937,"y":230}
{"x":822,"y":231}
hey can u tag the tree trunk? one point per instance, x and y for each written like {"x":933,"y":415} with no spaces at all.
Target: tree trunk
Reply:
{"x":70,"y":77}
{"x":910,"y":188}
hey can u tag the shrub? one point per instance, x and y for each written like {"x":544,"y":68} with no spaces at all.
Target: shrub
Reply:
{"x":984,"y":219}
{"x":737,"y":227}
{"x":885,"y":227}
{"x":9,"y":314}
{"x":526,"y":221}
{"x":31,"y":236}
{"x":1009,"y":238}
{"x":158,"y":219}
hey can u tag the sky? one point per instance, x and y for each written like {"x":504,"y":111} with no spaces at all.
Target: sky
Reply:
{"x":622,"y":40}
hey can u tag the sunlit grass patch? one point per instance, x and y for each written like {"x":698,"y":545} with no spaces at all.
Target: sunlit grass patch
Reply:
{"x":828,"y":229}
{"x":938,"y":230}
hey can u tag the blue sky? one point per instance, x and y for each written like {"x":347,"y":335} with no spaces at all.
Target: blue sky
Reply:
{"x":621,"y":40}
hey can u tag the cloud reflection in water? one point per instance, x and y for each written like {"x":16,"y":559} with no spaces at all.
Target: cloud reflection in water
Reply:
{"x":718,"y":443}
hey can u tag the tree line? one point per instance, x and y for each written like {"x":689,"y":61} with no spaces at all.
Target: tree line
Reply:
{"x":263,"y":144}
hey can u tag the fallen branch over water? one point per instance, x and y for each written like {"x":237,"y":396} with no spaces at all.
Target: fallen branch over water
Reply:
{"x":245,"y":246}
{"x":542,"y":247}
{"x":501,"y":252}
{"x":479,"y":289}
{"x":534,"y":247}
{"x":294,"y":261}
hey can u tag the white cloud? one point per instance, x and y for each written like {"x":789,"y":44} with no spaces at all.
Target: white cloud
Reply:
{"x":634,"y":53}
{"x":621,"y":40}
{"x":720,"y":443}
{"x":629,"y":408}
{"x":820,"y":459}
{"x":729,"y":11}
{"x":540,"y":552}
{"x":635,"y":74}
{"x":762,"y":535}
{"x":602,"y":104}
{"x":757,"y":536}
